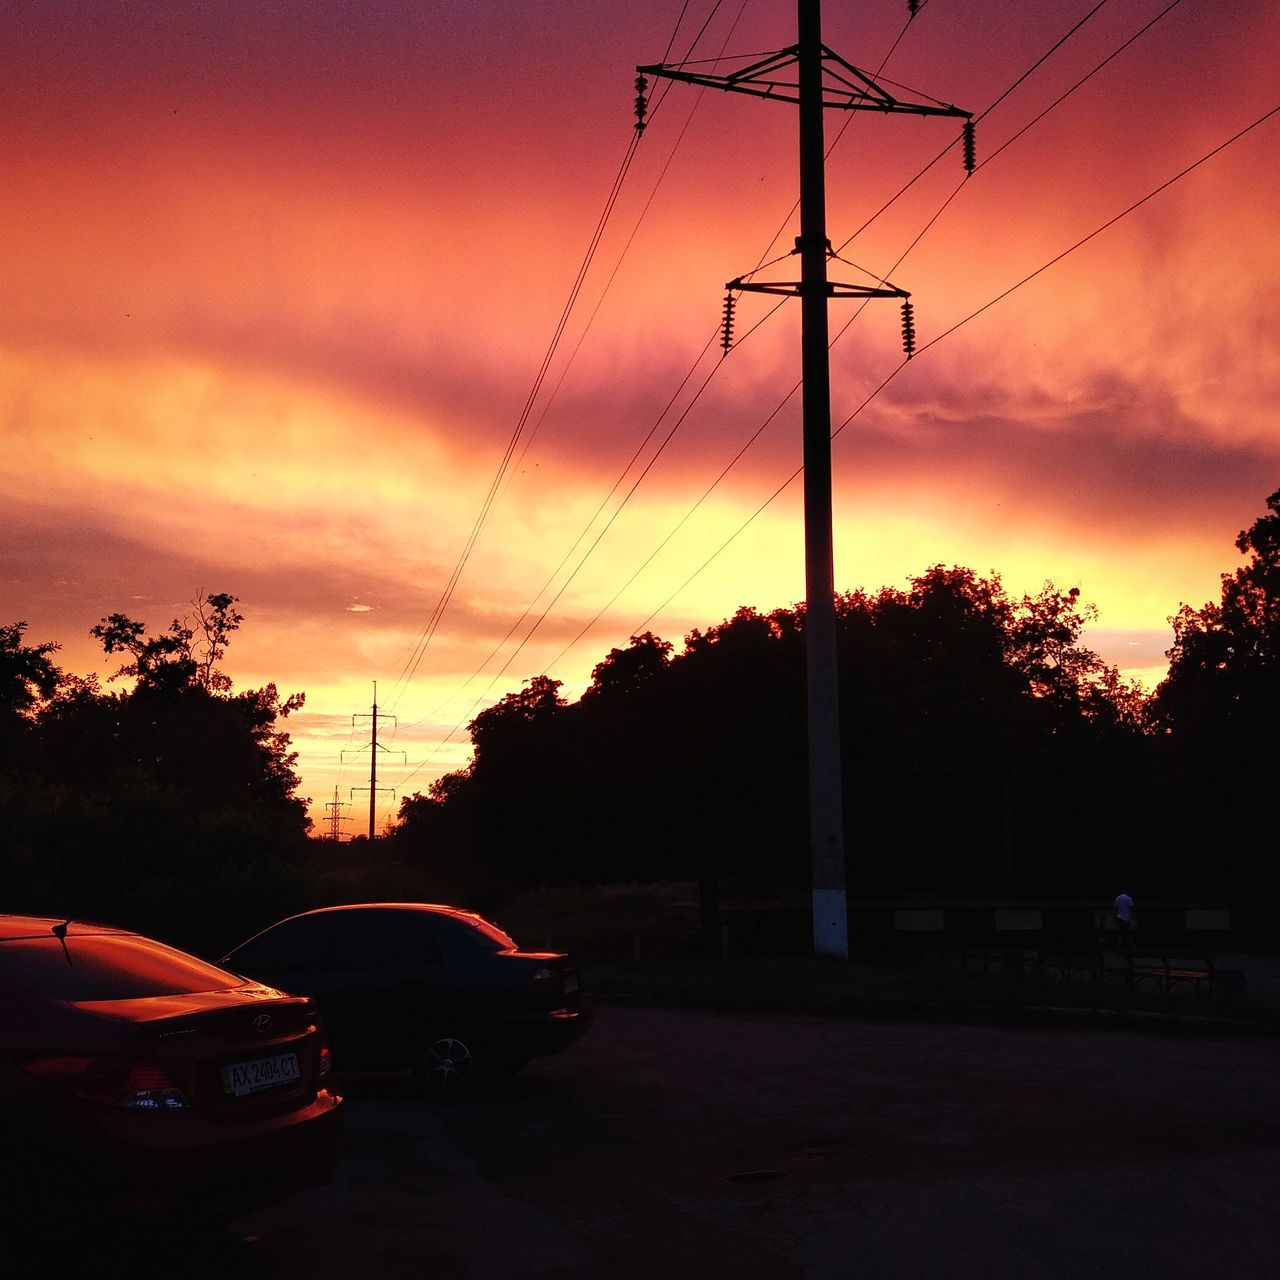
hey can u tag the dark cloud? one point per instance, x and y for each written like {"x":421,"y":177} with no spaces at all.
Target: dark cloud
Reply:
{"x":1120,"y":458}
{"x":64,"y":569}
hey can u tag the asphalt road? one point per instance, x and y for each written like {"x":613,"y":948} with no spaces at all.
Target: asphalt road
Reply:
{"x":674,"y":1144}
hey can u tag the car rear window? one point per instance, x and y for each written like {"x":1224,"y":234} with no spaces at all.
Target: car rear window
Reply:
{"x":486,"y":933}
{"x":108,"y":967}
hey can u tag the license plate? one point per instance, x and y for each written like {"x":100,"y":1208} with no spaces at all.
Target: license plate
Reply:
{"x":570,"y":983}
{"x":242,"y":1078}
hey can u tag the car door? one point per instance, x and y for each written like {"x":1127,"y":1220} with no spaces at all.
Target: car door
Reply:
{"x":385,"y":971}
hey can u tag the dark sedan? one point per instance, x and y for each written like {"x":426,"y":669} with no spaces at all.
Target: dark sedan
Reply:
{"x":137,"y":1078}
{"x":431,"y":988}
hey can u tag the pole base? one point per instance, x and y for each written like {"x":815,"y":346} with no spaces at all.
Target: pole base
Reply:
{"x":830,"y":923}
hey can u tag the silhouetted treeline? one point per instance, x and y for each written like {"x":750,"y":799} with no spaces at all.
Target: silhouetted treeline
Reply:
{"x":986,"y":752}
{"x":170,"y":807}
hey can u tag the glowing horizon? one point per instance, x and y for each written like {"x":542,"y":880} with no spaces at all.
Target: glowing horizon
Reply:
{"x":277,"y":284}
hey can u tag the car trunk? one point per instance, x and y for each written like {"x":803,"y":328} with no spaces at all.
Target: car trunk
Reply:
{"x":233,"y":1053}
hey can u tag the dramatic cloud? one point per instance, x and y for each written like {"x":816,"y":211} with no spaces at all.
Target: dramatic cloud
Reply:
{"x":278,"y":278}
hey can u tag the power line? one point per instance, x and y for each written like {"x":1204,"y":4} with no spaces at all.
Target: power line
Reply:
{"x":1137,"y":204}
{"x":411,"y":665}
{"x":626,"y":248}
{"x":599,"y":302}
{"x":538,"y":622}
{"x":756,"y":435}
{"x":641,"y":476}
{"x":564,"y":586}
{"x":1039,"y":62}
{"x":848,"y":323}
{"x":599,"y":510}
{"x":428,"y":632}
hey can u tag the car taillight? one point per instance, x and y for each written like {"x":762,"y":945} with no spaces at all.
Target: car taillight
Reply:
{"x":547,"y":980}
{"x":326,"y":1058}
{"x":114,"y":1082}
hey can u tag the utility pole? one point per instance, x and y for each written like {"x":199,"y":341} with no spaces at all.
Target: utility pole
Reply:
{"x":823,"y":80}
{"x":336,"y":817}
{"x":374,"y":747}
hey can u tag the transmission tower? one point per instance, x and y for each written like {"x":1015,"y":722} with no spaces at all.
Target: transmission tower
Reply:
{"x":815,"y":78}
{"x":374,"y":747}
{"x":336,"y":817}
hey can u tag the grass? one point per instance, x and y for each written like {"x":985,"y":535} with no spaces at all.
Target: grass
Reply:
{"x":814,"y":986}
{"x":637,"y":942}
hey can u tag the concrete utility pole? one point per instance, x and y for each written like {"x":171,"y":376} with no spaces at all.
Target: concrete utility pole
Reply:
{"x":823,"y":80}
{"x":826,"y":808}
{"x":374,"y":748}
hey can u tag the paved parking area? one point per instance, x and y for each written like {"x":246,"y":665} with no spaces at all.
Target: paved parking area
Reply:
{"x":682,"y":1144}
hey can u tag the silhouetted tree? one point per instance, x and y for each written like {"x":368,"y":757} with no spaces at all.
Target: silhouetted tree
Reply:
{"x":625,"y":671}
{"x":186,"y":655}
{"x":171,"y":806}
{"x":1224,"y":666}
{"x":27,"y":672}
{"x":980,"y":738}
{"x":28,"y":678}
{"x":1216,"y":715}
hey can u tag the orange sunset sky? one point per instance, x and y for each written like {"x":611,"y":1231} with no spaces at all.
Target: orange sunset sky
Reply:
{"x":278,"y":276}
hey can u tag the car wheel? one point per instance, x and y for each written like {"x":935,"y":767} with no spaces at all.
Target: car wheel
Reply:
{"x":447,"y":1066}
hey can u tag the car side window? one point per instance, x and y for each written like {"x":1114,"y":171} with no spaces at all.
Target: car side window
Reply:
{"x":292,"y":946}
{"x":385,"y":940}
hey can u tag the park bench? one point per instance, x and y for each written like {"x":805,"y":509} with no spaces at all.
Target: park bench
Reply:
{"x":1168,"y":969}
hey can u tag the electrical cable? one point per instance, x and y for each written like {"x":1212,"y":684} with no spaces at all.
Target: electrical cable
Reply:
{"x":587,"y":527}
{"x":757,"y":434}
{"x":1137,"y":204}
{"x":901,"y":258}
{"x":652,"y":460}
{"x":564,"y":586}
{"x":617,"y":266}
{"x":1009,"y":90}
{"x":411,"y":665}
{"x":1039,"y":62}
{"x":848,"y":120}
{"x":595,"y":311}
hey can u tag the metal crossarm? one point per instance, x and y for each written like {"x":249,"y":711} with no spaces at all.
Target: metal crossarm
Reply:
{"x":845,"y":87}
{"x":834,"y":289}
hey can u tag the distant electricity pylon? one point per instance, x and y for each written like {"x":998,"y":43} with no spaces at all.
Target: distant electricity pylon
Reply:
{"x":374,"y":748}
{"x":821,"y":79}
{"x":336,"y":817}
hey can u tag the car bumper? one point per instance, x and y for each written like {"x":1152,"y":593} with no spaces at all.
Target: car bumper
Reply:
{"x":534,"y":1035}
{"x":184,"y":1165}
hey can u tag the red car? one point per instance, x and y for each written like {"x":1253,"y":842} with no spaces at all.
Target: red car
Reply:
{"x":135,"y":1077}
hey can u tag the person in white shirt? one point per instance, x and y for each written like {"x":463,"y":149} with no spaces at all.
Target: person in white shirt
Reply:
{"x":1124,"y":918}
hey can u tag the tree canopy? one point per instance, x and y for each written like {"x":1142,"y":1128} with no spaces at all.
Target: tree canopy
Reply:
{"x":987,"y":751}
{"x":978,"y":731}
{"x":156,"y":804}
{"x":1215,"y":715}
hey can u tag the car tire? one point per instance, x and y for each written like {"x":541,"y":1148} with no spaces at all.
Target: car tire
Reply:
{"x":447,"y":1066}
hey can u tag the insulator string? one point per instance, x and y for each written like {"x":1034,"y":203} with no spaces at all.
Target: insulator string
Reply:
{"x":726,"y":323}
